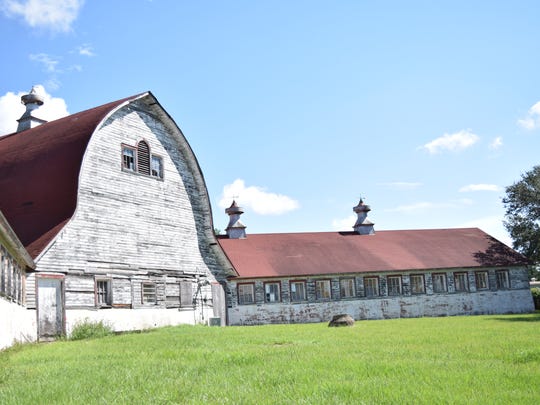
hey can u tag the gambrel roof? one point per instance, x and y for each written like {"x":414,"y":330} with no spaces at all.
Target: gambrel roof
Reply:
{"x":39,"y":172}
{"x":328,"y":253}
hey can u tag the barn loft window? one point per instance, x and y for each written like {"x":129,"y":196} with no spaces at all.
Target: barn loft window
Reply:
{"x":246,"y":294}
{"x":417,"y":284}
{"x":149,"y":293}
{"x":140,"y":160}
{"x":298,"y":291}
{"x":502,"y":279}
{"x":103,"y":293}
{"x":271,"y":292}
{"x":439,"y":283}
{"x":128,"y":158}
{"x":394,"y":285}
{"x":481,"y":278}
{"x":460,"y":282}
{"x":371,"y":286}
{"x":346,"y":288}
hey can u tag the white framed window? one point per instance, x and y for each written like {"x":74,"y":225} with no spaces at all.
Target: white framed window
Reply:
{"x":481,"y":278}
{"x":439,"y":283}
{"x":371,"y":286}
{"x":323,"y":290}
{"x":417,"y":284}
{"x":298,"y":291}
{"x":128,"y":158}
{"x":246,"y":294}
{"x":394,"y":285}
{"x":460,"y":282}
{"x":103,"y":291}
{"x":149,"y":293}
{"x":157,"y":167}
{"x":347,"y":288}
{"x":272,"y":292}
{"x":502,"y":279}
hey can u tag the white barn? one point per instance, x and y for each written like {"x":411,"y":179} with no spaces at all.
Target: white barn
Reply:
{"x":112,"y":206}
{"x":312,"y":276}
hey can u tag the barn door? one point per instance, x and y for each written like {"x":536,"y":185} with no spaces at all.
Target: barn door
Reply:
{"x":50,"y":297}
{"x":220,"y":305}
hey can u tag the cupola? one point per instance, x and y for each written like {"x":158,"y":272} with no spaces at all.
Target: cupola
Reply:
{"x":236,"y":229}
{"x":32,"y":101}
{"x":363,"y":225}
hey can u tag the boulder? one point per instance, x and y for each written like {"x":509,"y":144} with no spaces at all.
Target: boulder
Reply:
{"x":341,"y":320}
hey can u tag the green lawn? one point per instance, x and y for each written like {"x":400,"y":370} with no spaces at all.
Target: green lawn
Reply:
{"x":477,"y":359}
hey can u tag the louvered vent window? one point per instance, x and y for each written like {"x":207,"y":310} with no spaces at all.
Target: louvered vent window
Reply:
{"x":143,"y":158}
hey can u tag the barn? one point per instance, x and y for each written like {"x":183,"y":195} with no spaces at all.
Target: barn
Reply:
{"x":111,"y":206}
{"x":310,"y":277}
{"x":106,"y":217}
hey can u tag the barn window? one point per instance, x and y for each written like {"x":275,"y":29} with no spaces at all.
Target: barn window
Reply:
{"x":128,"y":158}
{"x":157,"y":167}
{"x":323,"y":290}
{"x":371,"y":286}
{"x":439,"y":282}
{"x":186,"y":294}
{"x":417,"y":284}
{"x":298,"y":291}
{"x":460,"y":282}
{"x":143,"y":158}
{"x":502,"y":279}
{"x":140,"y":160}
{"x":346,"y":288}
{"x":394,"y":285}
{"x":246,"y":294}
{"x":103,"y":293}
{"x":271,"y":292}
{"x":481,"y":278}
{"x":149,"y":293}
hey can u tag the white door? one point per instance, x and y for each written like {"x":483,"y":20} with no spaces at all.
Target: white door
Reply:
{"x":50,"y":307}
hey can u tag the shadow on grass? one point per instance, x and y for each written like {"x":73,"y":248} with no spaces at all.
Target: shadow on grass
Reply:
{"x":534,"y":317}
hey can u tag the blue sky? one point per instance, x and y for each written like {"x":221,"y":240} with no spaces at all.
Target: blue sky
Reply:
{"x":427,"y":110}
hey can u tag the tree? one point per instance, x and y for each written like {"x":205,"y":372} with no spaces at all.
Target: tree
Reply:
{"x":522,"y":204}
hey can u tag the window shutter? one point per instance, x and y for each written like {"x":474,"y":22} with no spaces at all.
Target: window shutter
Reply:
{"x":143,"y":158}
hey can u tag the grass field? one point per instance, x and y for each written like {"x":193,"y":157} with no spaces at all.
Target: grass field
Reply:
{"x":477,"y":359}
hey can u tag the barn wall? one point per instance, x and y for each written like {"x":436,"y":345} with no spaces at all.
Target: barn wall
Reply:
{"x":517,"y":299}
{"x":17,"y":324}
{"x":123,"y":320}
{"x":131,"y":228}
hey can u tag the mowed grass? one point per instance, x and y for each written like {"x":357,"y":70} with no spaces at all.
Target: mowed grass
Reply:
{"x":477,"y":359}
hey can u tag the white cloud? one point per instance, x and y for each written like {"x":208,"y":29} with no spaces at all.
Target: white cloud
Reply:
{"x":452,"y":142}
{"x":496,"y":143}
{"x":479,"y":187}
{"x":344,"y":224}
{"x":532,"y":119}
{"x":46,"y":60}
{"x":402,"y":185}
{"x":11,"y":109}
{"x":55,"y":15}
{"x":85,"y":50}
{"x":492,"y":225}
{"x":257,"y":199}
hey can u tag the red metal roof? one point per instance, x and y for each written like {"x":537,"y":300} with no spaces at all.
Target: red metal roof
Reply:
{"x":39,"y":173}
{"x":306,"y":254}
